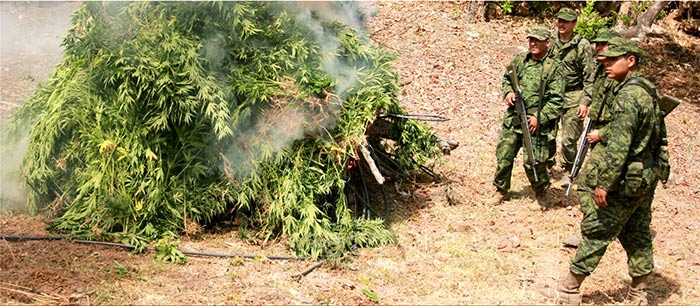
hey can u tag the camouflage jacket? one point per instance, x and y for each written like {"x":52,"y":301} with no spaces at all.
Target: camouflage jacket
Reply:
{"x":601,"y":97}
{"x":637,"y":131}
{"x":530,"y":76}
{"x":577,"y":57}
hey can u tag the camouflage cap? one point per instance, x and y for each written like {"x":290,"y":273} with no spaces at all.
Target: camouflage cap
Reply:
{"x":567,"y":14}
{"x":621,"y":46}
{"x":539,"y":33}
{"x":605,"y":35}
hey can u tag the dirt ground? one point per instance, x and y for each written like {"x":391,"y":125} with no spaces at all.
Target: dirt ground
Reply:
{"x":452,"y":248}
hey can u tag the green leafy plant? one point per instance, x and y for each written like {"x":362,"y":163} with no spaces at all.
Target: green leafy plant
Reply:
{"x":589,"y":21}
{"x":164,"y":116}
{"x":508,"y":7}
{"x":167,"y":251}
{"x":662,"y":14}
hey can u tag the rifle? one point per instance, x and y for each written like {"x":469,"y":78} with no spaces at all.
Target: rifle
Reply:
{"x":666,"y":105}
{"x":522,"y":115}
{"x":580,"y":153}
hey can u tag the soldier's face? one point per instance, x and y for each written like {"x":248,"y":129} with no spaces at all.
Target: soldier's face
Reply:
{"x":617,"y":68}
{"x":565,"y":27}
{"x":537,"y":47}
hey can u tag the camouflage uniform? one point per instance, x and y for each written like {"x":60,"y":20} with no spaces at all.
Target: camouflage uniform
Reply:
{"x":623,"y":165}
{"x":601,"y":86}
{"x":577,"y":57}
{"x":530,"y":74}
{"x":600,"y":93}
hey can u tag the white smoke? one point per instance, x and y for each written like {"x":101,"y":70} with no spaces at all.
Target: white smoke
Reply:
{"x":312,"y":14}
{"x":12,"y":196}
{"x":278,"y":128}
{"x":30,"y":47}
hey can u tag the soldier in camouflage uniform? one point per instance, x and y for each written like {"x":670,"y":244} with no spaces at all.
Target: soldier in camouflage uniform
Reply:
{"x":576,"y":55}
{"x":601,"y":83}
{"x":537,"y":72}
{"x":618,"y":184}
{"x":598,"y":113}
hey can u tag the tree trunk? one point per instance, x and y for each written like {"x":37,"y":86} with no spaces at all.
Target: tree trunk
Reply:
{"x":476,"y":11}
{"x":644,"y":21}
{"x":648,"y":17}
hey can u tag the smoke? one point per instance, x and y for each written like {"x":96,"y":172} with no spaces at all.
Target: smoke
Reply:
{"x":278,"y":128}
{"x":350,"y":13}
{"x":12,"y":195}
{"x":312,"y":14}
{"x":30,"y":39}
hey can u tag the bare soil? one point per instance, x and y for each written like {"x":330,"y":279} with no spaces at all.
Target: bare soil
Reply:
{"x":452,"y":248}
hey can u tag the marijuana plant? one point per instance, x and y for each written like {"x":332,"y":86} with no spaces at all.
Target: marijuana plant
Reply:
{"x":163,"y":116}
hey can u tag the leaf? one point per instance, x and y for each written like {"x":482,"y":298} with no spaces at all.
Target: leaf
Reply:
{"x":371,"y":295}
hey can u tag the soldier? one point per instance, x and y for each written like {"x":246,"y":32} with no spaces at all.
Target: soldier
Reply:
{"x":576,"y":55}
{"x":599,"y":118}
{"x":542,"y":87}
{"x":618,"y":184}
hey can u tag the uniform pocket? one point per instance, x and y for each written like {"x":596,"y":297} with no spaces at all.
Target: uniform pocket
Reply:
{"x":636,"y":182}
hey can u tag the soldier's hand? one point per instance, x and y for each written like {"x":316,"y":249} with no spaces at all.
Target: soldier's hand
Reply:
{"x":599,"y":197}
{"x":510,"y":99}
{"x":532,"y":123}
{"x":593,"y":136}
{"x":582,"y":111}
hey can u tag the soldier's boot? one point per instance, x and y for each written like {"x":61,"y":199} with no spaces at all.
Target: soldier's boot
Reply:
{"x":637,"y":294}
{"x":541,"y":202}
{"x":572,"y":241}
{"x":567,"y":291}
{"x":564,"y":181}
{"x":496,"y":197}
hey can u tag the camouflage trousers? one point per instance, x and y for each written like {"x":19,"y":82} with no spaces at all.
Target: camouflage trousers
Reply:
{"x":626,"y":219}
{"x":509,"y":144}
{"x":571,"y":126}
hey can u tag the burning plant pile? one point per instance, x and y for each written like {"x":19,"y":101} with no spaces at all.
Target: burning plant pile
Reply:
{"x":164,"y":116}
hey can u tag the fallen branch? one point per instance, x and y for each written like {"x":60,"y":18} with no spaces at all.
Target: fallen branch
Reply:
{"x":298,"y":277}
{"x":372,"y":166}
{"x":38,"y":298}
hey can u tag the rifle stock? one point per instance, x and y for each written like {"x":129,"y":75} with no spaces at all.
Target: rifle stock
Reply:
{"x":580,"y":154}
{"x":522,"y":114}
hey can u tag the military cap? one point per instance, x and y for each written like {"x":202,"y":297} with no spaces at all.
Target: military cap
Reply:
{"x":621,"y":46}
{"x":605,"y":35}
{"x":539,"y":33}
{"x":567,"y":14}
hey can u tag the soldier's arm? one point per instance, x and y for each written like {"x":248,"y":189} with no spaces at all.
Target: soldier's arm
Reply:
{"x":625,"y":114}
{"x":554,"y":95}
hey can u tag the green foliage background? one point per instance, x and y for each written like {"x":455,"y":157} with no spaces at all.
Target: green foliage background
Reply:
{"x":590,"y":22}
{"x":166,"y":114}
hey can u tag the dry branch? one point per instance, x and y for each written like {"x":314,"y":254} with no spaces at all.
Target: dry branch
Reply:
{"x":372,"y":165}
